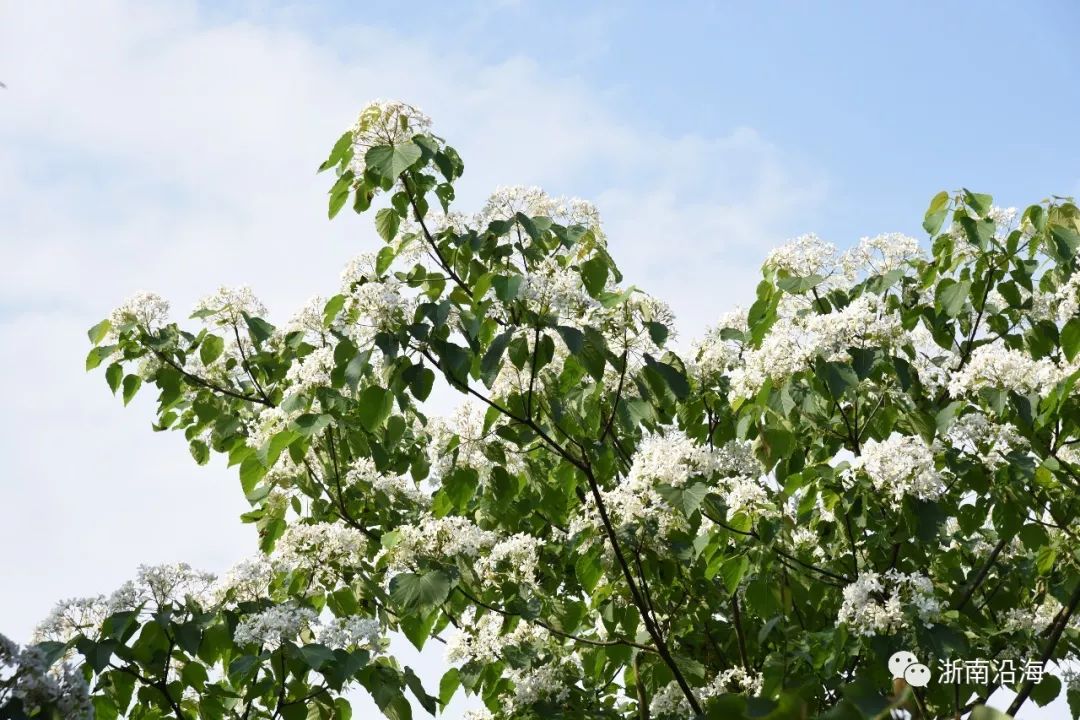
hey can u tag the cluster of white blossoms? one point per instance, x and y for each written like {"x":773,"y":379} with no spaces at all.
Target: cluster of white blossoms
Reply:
{"x":716,"y":354}
{"x":481,"y":639}
{"x":976,"y":436}
{"x":880,"y":254}
{"x":385,"y":123}
{"x":996,"y":366}
{"x":804,"y":256}
{"x":460,"y":440}
{"x":145,"y":309}
{"x":159,"y":585}
{"x":246,"y":581}
{"x":798,"y":337}
{"x":550,"y":682}
{"x":275,"y":625}
{"x":228,"y":306}
{"x":268,"y":423}
{"x":396,"y":487}
{"x":1038,"y":618}
{"x":450,"y":536}
{"x":933,"y":363}
{"x":373,"y":302}
{"x":153,"y":587}
{"x":506,"y":201}
{"x":901,"y":465}
{"x":514,"y":558}
{"x":874,"y":603}
{"x":670,"y":703}
{"x":312,"y":371}
{"x":323,"y":549}
{"x":1067,"y":298}
{"x":350,"y":632}
{"x":26,"y":676}
{"x":553,"y":288}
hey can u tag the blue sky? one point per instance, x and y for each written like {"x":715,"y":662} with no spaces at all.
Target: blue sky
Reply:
{"x":170,"y":146}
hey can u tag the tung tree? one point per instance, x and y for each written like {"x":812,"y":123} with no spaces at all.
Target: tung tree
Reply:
{"x":881,"y":454}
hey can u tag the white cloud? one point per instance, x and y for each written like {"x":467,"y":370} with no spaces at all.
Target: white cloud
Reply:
{"x":145,"y":145}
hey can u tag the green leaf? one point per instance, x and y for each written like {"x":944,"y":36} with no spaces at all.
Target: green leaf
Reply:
{"x":331,"y":309}
{"x":132,"y":383}
{"x":1070,"y":338}
{"x":732,"y":572}
{"x":1046,"y":691}
{"x":574,"y":338}
{"x":594,"y":273}
{"x":673,"y":377}
{"x":316,"y":655}
{"x":448,"y":686}
{"x":210,"y":349}
{"x":935,"y":214}
{"x":420,"y":592}
{"x":588,"y":568}
{"x":492,"y":360}
{"x":260,"y":330}
{"x":837,"y":376}
{"x":390,"y":161}
{"x":97,"y":354}
{"x":337,"y":201}
{"x":99,"y":331}
{"x":374,"y":407}
{"x":200,"y":452}
{"x":427,"y":701}
{"x":387,"y":222}
{"x":950,"y":296}
{"x":421,"y":383}
{"x":310,"y":424}
{"x":341,"y":147}
{"x":113,"y":375}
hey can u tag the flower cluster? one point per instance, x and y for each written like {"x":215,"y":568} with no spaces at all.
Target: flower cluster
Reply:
{"x":445,"y":537}
{"x":901,"y":465}
{"x":385,"y":123}
{"x":228,"y":306}
{"x":875,"y":604}
{"x":996,"y":366}
{"x":275,"y":625}
{"x":326,"y":550}
{"x":144,"y":309}
{"x":988,"y":442}
{"x":350,"y":632}
{"x":484,"y":639}
{"x":396,"y":487}
{"x":514,"y":558}
{"x":804,"y":256}
{"x":880,"y":254}
{"x":43,"y":689}
{"x":312,"y":371}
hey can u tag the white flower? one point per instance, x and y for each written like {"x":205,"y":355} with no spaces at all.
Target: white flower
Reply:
{"x":272,"y":627}
{"x":73,"y":617}
{"x":999,"y":367}
{"x":386,"y":123}
{"x":546,"y":682}
{"x":901,"y":465}
{"x":446,"y":537}
{"x":312,"y":371}
{"x":483,"y":640}
{"x":734,"y":679}
{"x":989,"y":442}
{"x":881,"y":254}
{"x":804,"y":256}
{"x":350,"y":632}
{"x":714,"y":354}
{"x":875,"y":604}
{"x":364,"y":472}
{"x":228,"y":305}
{"x":323,"y":549}
{"x":39,"y":688}
{"x":515,"y":558}
{"x":162,"y":584}
{"x":461,"y":441}
{"x":1067,"y":298}
{"x":145,"y":309}
{"x":670,"y":702}
{"x":245,"y":581}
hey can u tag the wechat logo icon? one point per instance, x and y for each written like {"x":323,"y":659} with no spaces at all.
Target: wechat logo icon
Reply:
{"x":904,"y":664}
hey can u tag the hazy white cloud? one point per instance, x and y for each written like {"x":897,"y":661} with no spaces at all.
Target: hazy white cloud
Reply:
{"x":143,"y":144}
